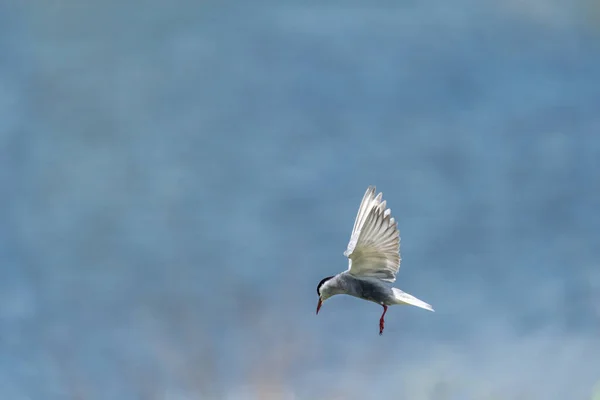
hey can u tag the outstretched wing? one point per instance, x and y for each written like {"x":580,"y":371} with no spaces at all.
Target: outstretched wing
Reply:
{"x":374,"y":247}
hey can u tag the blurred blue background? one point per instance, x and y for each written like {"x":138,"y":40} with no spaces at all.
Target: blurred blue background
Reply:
{"x":177,"y":178}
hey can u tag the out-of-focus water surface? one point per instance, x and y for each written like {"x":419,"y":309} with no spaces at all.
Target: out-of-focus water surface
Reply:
{"x":178,"y":176}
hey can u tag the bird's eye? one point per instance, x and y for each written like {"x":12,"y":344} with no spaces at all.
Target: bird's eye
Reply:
{"x":322,"y":283}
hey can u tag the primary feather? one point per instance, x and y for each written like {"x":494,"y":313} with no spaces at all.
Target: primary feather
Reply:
{"x":374,"y":247}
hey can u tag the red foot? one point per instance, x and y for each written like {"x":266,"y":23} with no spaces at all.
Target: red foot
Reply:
{"x":382,"y":321}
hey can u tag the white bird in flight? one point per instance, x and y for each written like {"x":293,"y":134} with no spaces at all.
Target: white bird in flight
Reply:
{"x":373,"y":260}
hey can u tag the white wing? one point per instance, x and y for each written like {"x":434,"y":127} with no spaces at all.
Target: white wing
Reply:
{"x":374,"y":247}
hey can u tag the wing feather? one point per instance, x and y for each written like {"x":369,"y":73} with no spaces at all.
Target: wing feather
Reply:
{"x":374,"y":247}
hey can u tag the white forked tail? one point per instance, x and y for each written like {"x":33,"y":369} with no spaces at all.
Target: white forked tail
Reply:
{"x":405,"y":298}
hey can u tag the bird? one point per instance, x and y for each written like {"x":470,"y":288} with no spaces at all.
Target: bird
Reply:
{"x":373,"y":254}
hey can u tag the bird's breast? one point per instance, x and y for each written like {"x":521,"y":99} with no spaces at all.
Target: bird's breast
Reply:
{"x":368,"y":290}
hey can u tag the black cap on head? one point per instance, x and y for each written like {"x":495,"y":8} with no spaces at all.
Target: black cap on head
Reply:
{"x":321,"y":283}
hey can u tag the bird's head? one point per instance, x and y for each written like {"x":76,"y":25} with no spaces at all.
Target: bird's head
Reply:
{"x":323,"y":291}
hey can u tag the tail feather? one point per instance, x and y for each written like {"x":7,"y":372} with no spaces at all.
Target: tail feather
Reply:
{"x":405,"y":298}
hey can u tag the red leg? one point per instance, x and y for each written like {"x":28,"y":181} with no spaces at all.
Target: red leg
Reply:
{"x":381,"y":321}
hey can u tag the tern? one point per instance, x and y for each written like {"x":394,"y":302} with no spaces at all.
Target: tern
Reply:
{"x":373,"y":260}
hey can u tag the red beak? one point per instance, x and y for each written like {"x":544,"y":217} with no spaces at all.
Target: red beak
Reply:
{"x":319,"y":305}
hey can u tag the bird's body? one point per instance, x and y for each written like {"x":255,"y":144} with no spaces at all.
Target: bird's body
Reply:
{"x":374,"y":259}
{"x":371,"y":289}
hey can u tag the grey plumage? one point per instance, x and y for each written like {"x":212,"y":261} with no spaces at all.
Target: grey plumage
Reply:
{"x":366,"y":288}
